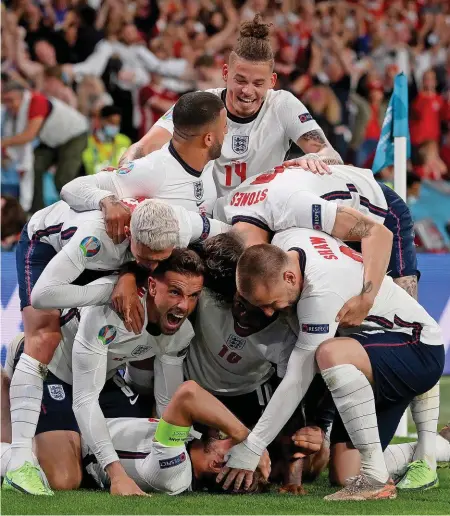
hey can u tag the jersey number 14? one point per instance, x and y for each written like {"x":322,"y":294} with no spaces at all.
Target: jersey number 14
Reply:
{"x":237,"y":169}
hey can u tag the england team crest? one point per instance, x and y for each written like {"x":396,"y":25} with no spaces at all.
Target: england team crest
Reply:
{"x":198,"y":190}
{"x":139,"y":350}
{"x":235,"y":342}
{"x":56,"y":392}
{"x":239,"y":143}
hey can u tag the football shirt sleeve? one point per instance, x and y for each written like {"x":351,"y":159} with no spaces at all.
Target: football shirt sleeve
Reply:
{"x":295,"y":117}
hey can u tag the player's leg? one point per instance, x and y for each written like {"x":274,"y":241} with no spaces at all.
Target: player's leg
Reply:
{"x":42,"y":336}
{"x":5,"y":407}
{"x":347,"y":371}
{"x":403,"y":269}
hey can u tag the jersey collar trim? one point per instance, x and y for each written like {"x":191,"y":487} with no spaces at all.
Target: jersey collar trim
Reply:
{"x":238,"y":119}
{"x":181,"y":161}
{"x":301,"y":258}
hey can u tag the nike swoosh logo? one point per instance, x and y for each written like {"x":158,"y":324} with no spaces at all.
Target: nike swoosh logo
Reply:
{"x":199,"y":203}
{"x":132,"y":402}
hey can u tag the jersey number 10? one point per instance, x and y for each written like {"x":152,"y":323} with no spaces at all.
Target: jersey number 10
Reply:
{"x":238,"y":169}
{"x":231,"y":357}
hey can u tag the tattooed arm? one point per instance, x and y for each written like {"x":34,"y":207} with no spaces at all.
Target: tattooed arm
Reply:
{"x":376,"y":245}
{"x":408,"y":283}
{"x":156,"y":138}
{"x":315,"y":142}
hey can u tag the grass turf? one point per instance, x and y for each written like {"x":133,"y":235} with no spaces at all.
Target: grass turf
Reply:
{"x":434,"y":501}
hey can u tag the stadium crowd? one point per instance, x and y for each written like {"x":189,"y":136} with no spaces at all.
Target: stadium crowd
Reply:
{"x":264,"y":310}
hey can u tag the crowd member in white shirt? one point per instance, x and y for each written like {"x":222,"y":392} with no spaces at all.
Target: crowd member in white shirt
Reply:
{"x":56,"y":246}
{"x":95,"y":345}
{"x":373,"y":373}
{"x":262,"y":122}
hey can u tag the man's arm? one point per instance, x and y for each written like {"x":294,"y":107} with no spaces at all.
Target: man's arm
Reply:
{"x":315,"y":142}
{"x":54,"y":287}
{"x":168,"y":377}
{"x":136,"y":179}
{"x":89,"y":366}
{"x":155,"y":138}
{"x":28,"y":135}
{"x":376,"y":246}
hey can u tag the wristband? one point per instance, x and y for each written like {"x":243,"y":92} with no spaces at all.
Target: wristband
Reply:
{"x":171,"y":435}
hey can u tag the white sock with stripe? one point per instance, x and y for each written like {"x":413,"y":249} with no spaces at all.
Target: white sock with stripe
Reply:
{"x":425,"y":413}
{"x":353,"y":397}
{"x":5,"y":457}
{"x":25,"y":394}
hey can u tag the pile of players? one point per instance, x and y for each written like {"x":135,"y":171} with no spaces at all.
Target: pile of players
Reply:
{"x":207,"y":316}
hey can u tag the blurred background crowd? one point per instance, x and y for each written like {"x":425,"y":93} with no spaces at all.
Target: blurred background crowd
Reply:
{"x":116,"y":66}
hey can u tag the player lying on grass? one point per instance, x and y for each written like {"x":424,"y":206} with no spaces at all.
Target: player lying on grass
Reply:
{"x":177,"y":174}
{"x":96,"y":343}
{"x":56,"y":247}
{"x":316,"y":274}
{"x":262,"y":122}
{"x":291,"y":197}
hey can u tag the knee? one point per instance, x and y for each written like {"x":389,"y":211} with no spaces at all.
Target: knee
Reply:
{"x":326,"y":354}
{"x":63,"y":477}
{"x":42,"y":343}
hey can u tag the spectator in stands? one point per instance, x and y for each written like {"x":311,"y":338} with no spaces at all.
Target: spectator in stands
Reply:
{"x":13,"y":220}
{"x":60,"y":130}
{"x":54,"y":86}
{"x":414,"y":184}
{"x":106,"y":144}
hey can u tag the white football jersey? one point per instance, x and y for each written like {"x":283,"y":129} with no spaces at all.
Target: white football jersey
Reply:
{"x":332,"y":274}
{"x":259,"y":142}
{"x":101,"y":330}
{"x":162,"y":175}
{"x":293,"y":197}
{"x":153,"y":466}
{"x":224,"y":363}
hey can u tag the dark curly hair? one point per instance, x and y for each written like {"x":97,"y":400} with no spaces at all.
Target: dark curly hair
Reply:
{"x":220,"y":255}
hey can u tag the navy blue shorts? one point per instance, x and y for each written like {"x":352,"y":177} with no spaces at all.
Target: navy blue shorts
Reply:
{"x":403,"y":260}
{"x":117,"y":399}
{"x":402,"y":368}
{"x":32,"y":256}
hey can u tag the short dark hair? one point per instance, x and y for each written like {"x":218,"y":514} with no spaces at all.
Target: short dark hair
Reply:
{"x":194,"y":111}
{"x":182,"y":261}
{"x":53,"y":71}
{"x":107,"y":111}
{"x":259,"y":263}
{"x":220,"y":255}
{"x":253,"y":43}
{"x":13,"y":217}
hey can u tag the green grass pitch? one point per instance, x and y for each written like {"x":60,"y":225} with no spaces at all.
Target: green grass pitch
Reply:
{"x":435,"y":501}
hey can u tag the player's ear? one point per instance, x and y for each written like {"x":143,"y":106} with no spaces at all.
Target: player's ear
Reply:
{"x":289,"y":277}
{"x":225,"y":72}
{"x":215,"y":466}
{"x":208,"y":139}
{"x":152,"y":286}
{"x":273,"y":80}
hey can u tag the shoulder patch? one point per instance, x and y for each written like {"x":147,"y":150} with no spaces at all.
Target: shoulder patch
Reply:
{"x":107,"y":334}
{"x":317,"y":217}
{"x":174,"y":461}
{"x":315,"y":328}
{"x":90,"y":246}
{"x":126,"y":169}
{"x":305,"y":117}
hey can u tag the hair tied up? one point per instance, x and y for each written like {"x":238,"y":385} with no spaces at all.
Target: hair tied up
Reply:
{"x":255,"y":29}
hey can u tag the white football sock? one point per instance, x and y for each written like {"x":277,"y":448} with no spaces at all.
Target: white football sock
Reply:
{"x":353,"y":397}
{"x":398,"y":456}
{"x":25,"y":394}
{"x":425,"y":413}
{"x":5,"y":457}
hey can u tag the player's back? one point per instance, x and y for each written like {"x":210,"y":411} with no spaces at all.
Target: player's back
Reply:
{"x":274,"y":198}
{"x":226,"y":363}
{"x":331,"y":267}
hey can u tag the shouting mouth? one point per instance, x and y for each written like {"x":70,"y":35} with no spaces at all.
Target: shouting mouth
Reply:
{"x":174,"y":320}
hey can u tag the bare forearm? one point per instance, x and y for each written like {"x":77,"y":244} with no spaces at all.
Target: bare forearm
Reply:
{"x":315,"y":142}
{"x":135,"y":151}
{"x":18,"y":139}
{"x":192,"y":404}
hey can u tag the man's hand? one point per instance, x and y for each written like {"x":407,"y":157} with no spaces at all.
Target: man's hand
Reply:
{"x":355,"y":311}
{"x":117,"y":216}
{"x":312,"y":162}
{"x":233,"y":475}
{"x":126,"y":302}
{"x":309,"y":439}
{"x":126,"y":486}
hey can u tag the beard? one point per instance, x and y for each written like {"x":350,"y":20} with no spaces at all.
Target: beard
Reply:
{"x":215,"y":151}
